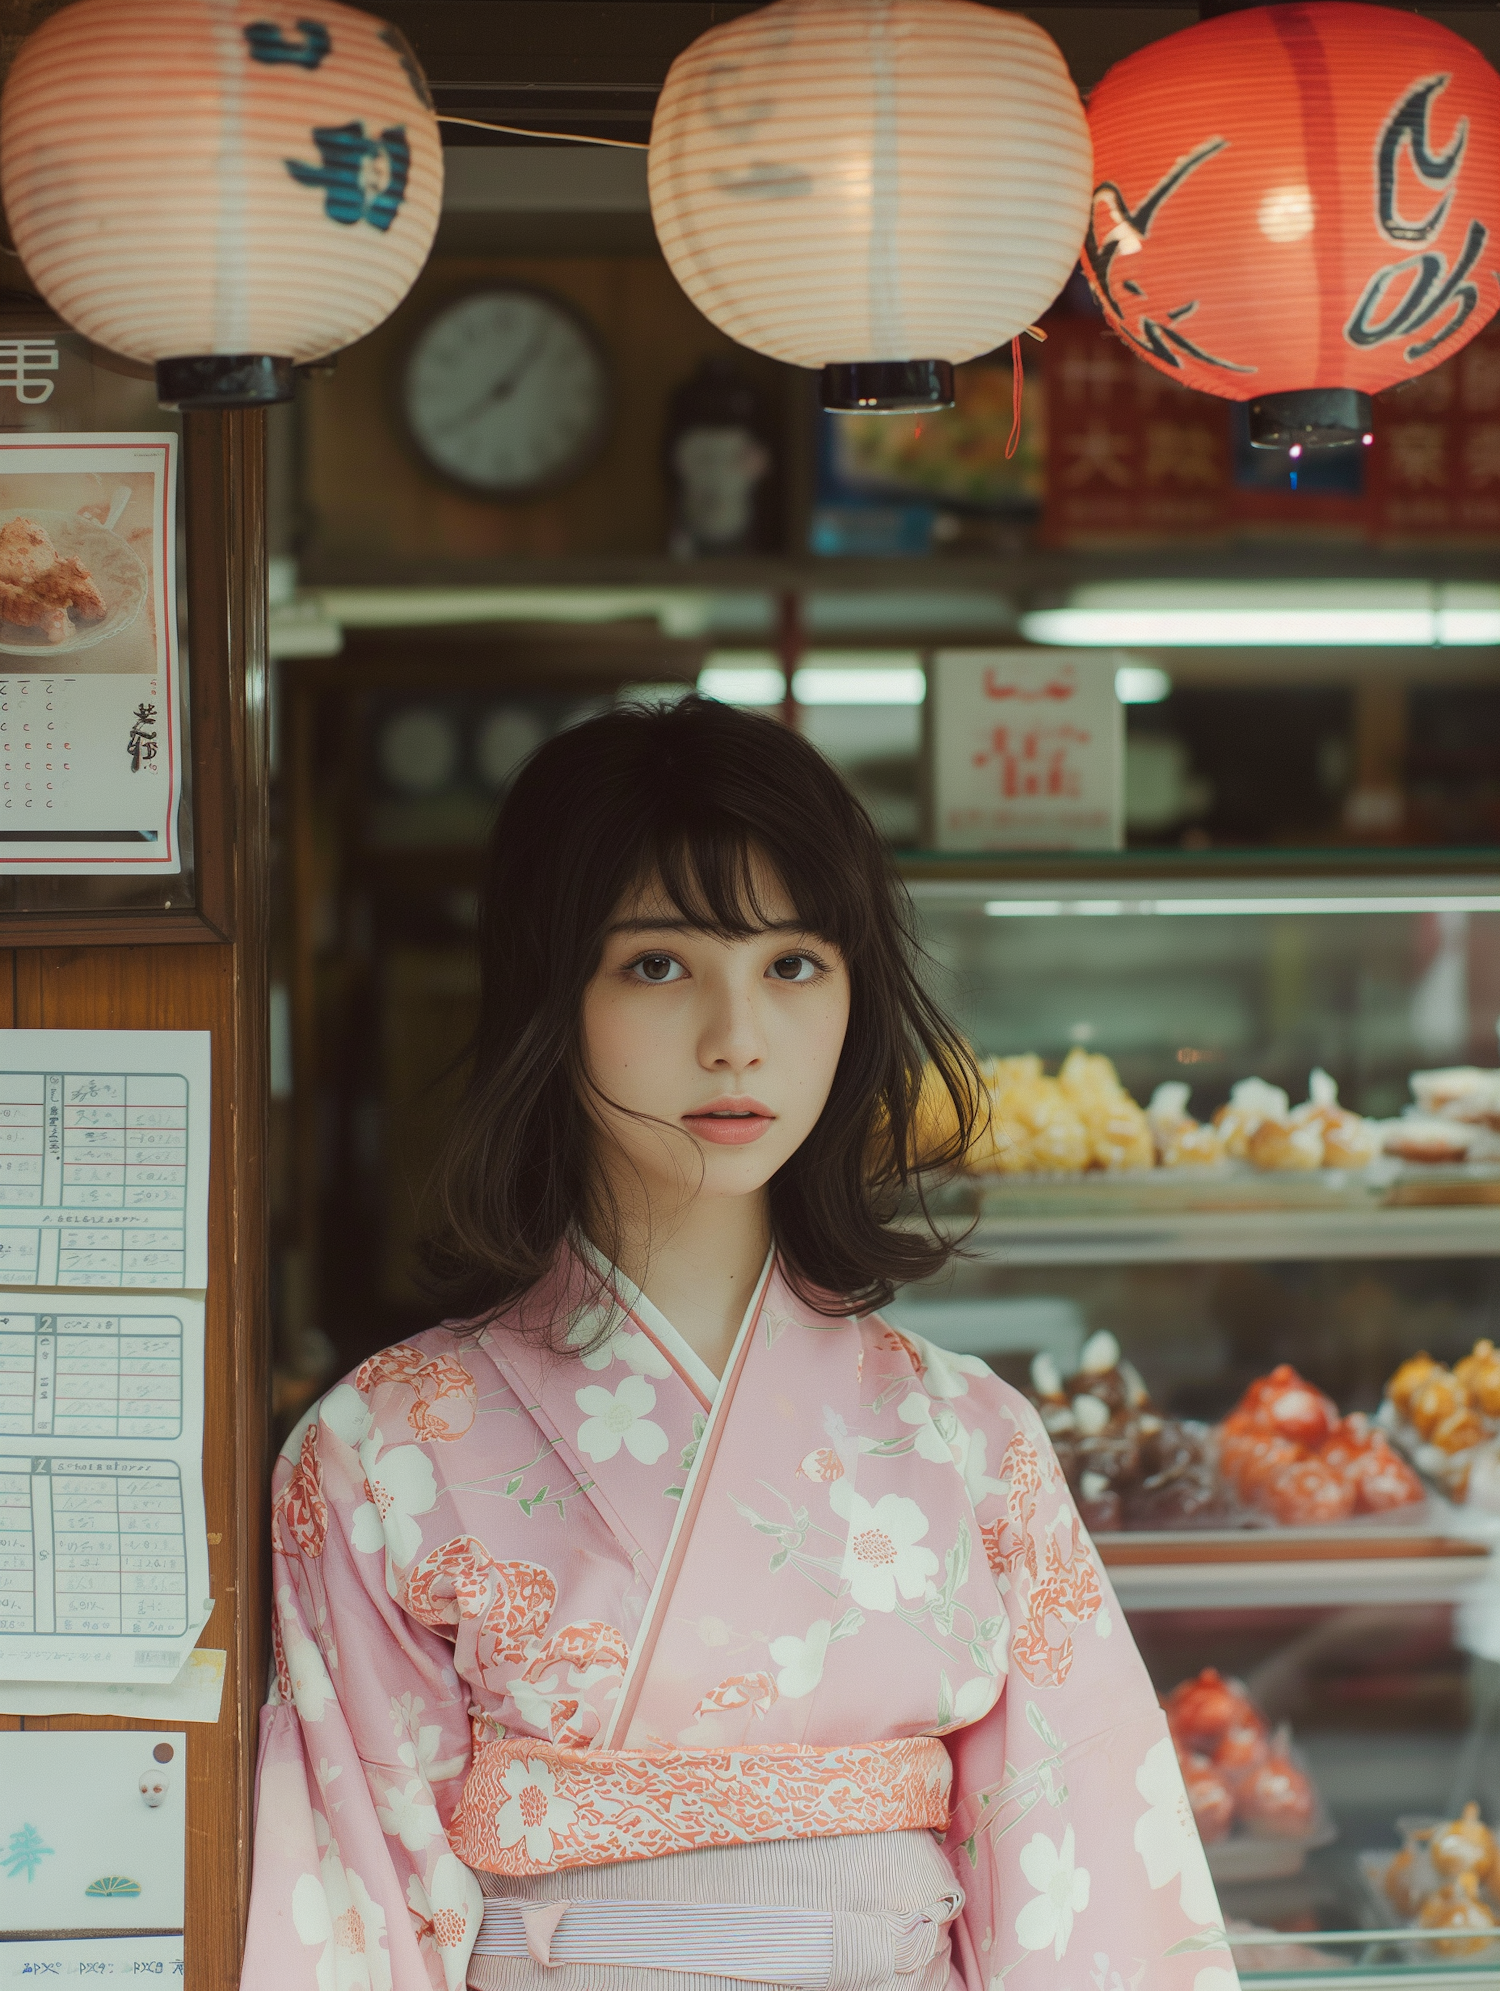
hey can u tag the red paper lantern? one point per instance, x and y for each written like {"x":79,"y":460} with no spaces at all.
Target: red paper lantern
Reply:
{"x":1298,"y":206}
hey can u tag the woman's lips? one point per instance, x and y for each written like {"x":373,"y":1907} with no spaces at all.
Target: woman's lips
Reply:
{"x":730,"y":1123}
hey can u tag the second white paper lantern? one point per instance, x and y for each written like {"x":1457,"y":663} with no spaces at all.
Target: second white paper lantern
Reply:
{"x":878,"y":188}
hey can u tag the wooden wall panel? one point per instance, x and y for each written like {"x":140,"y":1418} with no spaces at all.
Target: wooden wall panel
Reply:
{"x":219,"y":987}
{"x":375,"y":510}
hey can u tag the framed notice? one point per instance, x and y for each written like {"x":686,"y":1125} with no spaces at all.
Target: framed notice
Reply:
{"x":1026,"y":750}
{"x":90,"y":693}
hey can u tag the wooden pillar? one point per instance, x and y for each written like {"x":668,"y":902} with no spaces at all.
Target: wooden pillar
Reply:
{"x":204,"y":968}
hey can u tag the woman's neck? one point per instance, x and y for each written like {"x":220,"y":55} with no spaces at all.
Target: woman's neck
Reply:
{"x":701,"y":1269}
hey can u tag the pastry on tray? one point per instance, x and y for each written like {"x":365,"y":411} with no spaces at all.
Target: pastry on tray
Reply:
{"x":1237,"y":1772}
{"x":1447,"y":1421}
{"x":1181,"y":1141}
{"x":1128,"y":1465}
{"x":1285,"y":1450}
{"x":1445,"y":1877}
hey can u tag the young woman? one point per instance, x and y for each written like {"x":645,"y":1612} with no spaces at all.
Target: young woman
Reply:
{"x":669,"y":1620}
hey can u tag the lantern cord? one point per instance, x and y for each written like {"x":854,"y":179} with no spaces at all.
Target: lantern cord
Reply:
{"x":530,"y":131}
{"x":1017,"y":390}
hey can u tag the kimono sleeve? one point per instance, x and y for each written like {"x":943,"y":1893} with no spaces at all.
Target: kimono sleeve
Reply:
{"x":364,"y":1745}
{"x":1071,"y":1831}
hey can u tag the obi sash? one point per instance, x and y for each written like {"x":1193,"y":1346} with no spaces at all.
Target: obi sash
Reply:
{"x":531,"y":1807}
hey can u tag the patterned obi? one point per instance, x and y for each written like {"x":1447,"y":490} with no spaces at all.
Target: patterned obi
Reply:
{"x":531,"y":1807}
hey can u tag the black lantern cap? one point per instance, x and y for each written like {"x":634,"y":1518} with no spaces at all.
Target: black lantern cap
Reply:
{"x":882,"y":386}
{"x":1315,"y":418}
{"x":223,"y":380}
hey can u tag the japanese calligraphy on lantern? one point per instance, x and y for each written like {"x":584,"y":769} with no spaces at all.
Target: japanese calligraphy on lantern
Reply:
{"x":90,"y":746}
{"x":1025,"y":750}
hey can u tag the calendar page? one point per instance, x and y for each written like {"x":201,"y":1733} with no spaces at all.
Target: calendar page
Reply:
{"x":90,"y":737}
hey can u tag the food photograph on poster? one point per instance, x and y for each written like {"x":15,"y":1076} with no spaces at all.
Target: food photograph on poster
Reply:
{"x":90,"y":747}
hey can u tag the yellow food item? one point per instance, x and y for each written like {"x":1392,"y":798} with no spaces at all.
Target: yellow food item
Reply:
{"x":1457,"y":1906}
{"x":1034,"y":1128}
{"x":1459,"y":1431}
{"x":1283,"y":1144}
{"x":1349,"y":1140}
{"x":1479,"y":1373}
{"x":1189,"y":1145}
{"x":1251,"y":1101}
{"x":1464,"y":1845}
{"x":1118,"y":1130}
{"x":1436,"y":1399}
{"x":1408,"y":1379}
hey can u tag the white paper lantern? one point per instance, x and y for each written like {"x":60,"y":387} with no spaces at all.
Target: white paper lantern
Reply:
{"x":222,"y":187}
{"x":845,"y":182}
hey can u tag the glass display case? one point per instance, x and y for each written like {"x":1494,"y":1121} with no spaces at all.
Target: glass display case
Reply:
{"x":1224,"y":1349}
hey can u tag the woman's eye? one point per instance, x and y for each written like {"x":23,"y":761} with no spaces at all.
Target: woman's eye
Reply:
{"x":657,"y":968}
{"x":794,"y":968}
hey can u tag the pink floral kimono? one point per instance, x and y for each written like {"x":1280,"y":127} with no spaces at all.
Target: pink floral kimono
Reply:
{"x":548,"y":1624}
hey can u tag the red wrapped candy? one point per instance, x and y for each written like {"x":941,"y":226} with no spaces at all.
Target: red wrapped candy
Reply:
{"x":1308,"y":1494}
{"x":1277,"y":1802}
{"x":1201,"y":1711}
{"x":1242,"y":1752}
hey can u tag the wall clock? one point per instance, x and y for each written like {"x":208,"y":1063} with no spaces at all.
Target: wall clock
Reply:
{"x":506,"y":391}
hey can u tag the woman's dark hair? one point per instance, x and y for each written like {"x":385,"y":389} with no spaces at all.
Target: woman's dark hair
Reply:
{"x":686,"y":796}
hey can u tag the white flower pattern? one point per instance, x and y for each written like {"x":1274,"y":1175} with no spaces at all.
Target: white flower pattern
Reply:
{"x":1062,"y":1891}
{"x":801,"y":1660}
{"x":400,"y":1486}
{"x":333,"y":1907}
{"x":880,"y":1552}
{"x":533,"y":1811}
{"x":1166,"y":1837}
{"x":452,"y":1903}
{"x":312,"y":1690}
{"x":611,"y":1420}
{"x":408,"y":1812}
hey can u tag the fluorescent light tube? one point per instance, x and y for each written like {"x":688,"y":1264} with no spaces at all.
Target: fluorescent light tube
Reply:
{"x":880,"y":684}
{"x":1238,"y":908}
{"x":1240,"y":615}
{"x":743,"y":684}
{"x":1141,"y":684}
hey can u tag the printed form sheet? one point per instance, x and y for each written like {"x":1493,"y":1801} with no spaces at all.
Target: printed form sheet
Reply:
{"x":103,"y":1184}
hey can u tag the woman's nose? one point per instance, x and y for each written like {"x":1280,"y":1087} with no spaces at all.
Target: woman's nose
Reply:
{"x":731,"y":1040}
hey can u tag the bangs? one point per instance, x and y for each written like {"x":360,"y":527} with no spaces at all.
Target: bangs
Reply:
{"x":701,"y":867}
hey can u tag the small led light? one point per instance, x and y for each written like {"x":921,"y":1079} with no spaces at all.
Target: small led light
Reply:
{"x":1295,"y":450}
{"x":1367,"y":440}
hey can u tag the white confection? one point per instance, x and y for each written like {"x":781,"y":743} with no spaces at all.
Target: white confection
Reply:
{"x":1101,"y":1353}
{"x":1046,"y":1377}
{"x":1091,"y":1414}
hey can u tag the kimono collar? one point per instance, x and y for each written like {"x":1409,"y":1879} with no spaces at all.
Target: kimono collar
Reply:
{"x":654,"y":1322}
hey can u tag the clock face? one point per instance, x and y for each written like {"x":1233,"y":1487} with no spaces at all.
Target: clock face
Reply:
{"x":506,"y":391}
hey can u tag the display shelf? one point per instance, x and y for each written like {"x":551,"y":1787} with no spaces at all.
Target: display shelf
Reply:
{"x":1365,"y":1977}
{"x":1391,"y":1210}
{"x":1138,"y":1238}
{"x":1326,"y":1582}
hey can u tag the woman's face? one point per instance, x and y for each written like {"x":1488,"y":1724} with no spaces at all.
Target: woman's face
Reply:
{"x":726,"y":1048}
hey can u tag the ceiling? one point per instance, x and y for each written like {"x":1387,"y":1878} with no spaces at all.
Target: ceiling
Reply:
{"x":594,"y":67}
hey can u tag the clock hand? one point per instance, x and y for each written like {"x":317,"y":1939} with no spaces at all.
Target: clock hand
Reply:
{"x":503,"y":388}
